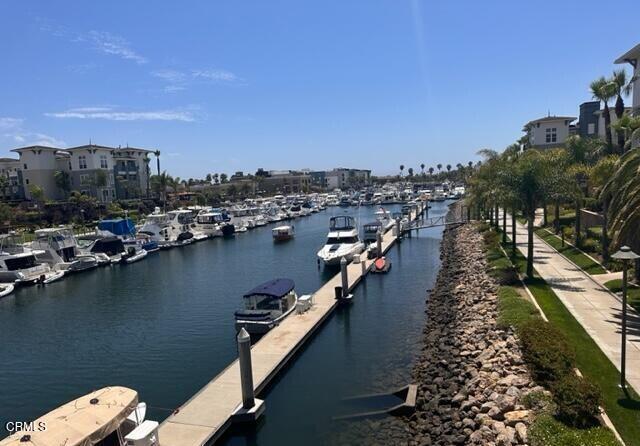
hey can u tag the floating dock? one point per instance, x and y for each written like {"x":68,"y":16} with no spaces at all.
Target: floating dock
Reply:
{"x":206,"y":415}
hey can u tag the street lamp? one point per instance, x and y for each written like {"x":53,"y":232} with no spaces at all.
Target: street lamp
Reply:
{"x":625,"y":254}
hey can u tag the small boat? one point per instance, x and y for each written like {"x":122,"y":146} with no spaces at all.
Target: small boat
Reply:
{"x":109,"y":416}
{"x":370,"y":231}
{"x":283,"y":233}
{"x":381,"y":265}
{"x":266,"y":306}
{"x":6,"y":289}
{"x":132,"y":255}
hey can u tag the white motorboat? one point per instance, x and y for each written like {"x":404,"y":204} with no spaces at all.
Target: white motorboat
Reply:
{"x":110,"y":247}
{"x":342,"y":241}
{"x":59,"y":249}
{"x":133,"y":254}
{"x":108,"y":416}
{"x":266,"y":306}
{"x":20,"y":265}
{"x":170,"y":229}
{"x":283,"y":233}
{"x":385,"y":219}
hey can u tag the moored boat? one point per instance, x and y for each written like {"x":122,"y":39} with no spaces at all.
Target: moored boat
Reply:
{"x":342,"y":241}
{"x":266,"y":306}
{"x":283,"y":233}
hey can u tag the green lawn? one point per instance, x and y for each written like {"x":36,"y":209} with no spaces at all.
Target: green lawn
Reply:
{"x":633,"y":292}
{"x":623,"y":410}
{"x":572,"y":253}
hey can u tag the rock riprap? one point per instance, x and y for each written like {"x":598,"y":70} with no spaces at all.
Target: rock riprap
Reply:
{"x":470,"y":373}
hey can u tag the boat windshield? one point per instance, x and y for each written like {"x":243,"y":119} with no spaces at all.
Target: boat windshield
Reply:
{"x":339,"y":240}
{"x":267,"y":303}
{"x":18,"y":263}
{"x":342,"y":223}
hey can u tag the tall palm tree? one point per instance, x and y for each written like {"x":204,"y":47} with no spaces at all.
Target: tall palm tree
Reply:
{"x":448,"y":167}
{"x":431,"y":169}
{"x":599,"y":175}
{"x":621,"y":87}
{"x":157,"y":154}
{"x":602,"y":90}
{"x":439,"y":166}
{"x":401,"y":169}
{"x":422,"y":169}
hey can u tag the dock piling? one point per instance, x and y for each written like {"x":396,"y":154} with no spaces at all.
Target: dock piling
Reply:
{"x":398,"y":233}
{"x":246,"y":372}
{"x":345,"y":277}
{"x":378,"y":244}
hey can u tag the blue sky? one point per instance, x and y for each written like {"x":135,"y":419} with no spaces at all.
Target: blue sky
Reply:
{"x":220,"y":86}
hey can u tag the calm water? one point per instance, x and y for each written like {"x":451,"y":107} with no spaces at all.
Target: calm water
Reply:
{"x":164,"y":327}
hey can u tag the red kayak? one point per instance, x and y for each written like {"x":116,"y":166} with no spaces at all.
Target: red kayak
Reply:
{"x":381,"y":265}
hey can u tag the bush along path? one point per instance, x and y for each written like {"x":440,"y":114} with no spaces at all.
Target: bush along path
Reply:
{"x":472,"y":379}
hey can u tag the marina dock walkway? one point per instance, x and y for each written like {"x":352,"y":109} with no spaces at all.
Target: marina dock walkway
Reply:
{"x":594,"y":307}
{"x":205,"y":417}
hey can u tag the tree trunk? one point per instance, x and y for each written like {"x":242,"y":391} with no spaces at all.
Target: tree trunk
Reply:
{"x":513,"y":232}
{"x":490,"y":215}
{"x":636,"y":268}
{"x":497,"y":212}
{"x":619,"y":113}
{"x":544,"y":214}
{"x":578,"y":235}
{"x":556,"y":217}
{"x":504,"y":225}
{"x":607,"y":127}
{"x":530,"y":218}
{"x":605,"y":234}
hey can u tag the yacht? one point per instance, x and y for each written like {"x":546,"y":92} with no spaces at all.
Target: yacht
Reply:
{"x":170,"y":229}
{"x":385,"y":219}
{"x":110,"y":246}
{"x":266,"y":306}
{"x":105,"y":417}
{"x":20,"y":265}
{"x":370,"y":231}
{"x":124,"y":229}
{"x":59,"y":249}
{"x":342,"y":241}
{"x":283,"y":233}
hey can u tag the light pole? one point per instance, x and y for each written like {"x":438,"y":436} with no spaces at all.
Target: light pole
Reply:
{"x":625,"y":254}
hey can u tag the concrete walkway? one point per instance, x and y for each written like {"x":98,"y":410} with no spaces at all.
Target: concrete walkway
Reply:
{"x":597,"y":310}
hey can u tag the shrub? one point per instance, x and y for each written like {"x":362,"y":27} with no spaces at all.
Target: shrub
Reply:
{"x":546,"y":351}
{"x":539,"y":401}
{"x":577,"y":401}
{"x":590,"y":245}
{"x":491,"y":238}
{"x":568,"y":232}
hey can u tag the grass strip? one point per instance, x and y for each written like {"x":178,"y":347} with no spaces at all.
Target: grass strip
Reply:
{"x":572,"y":253}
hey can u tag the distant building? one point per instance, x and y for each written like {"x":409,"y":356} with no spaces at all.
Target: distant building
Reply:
{"x":588,"y":120}
{"x":105,"y":173}
{"x":632,"y":57}
{"x":548,"y":132}
{"x":12,"y":187}
{"x":343,"y":178}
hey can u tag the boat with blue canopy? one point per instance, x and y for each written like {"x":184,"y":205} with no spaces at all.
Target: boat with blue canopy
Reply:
{"x":266,"y":306}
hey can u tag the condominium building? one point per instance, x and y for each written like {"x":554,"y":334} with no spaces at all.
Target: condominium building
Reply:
{"x":11,"y":183}
{"x":548,"y":132}
{"x":103,"y":172}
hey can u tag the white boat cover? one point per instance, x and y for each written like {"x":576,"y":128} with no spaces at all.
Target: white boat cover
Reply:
{"x":80,"y":422}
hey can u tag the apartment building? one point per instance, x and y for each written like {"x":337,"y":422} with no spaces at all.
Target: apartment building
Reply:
{"x":344,"y":178}
{"x":548,"y":132}
{"x":11,"y":183}
{"x":103,"y":172}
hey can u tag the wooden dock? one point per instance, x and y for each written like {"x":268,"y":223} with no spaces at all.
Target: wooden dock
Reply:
{"x":206,"y":415}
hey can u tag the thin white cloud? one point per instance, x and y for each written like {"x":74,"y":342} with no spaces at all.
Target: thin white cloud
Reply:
{"x":215,"y":75}
{"x":102,"y":41}
{"x":115,"y":45}
{"x":116,"y":115}
{"x":9,"y":123}
{"x":179,"y":80}
{"x":15,"y":133}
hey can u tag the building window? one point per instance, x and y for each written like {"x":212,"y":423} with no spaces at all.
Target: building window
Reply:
{"x":84,"y":180}
{"x":26,"y":181}
{"x":25,"y":166}
{"x":103,"y":162}
{"x":591,"y":128}
{"x":82,"y":162}
{"x":551,"y":135}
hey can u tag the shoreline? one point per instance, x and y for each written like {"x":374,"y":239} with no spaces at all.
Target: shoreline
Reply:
{"x":470,"y":373}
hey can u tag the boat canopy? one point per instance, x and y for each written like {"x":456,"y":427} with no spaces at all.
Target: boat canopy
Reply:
{"x":109,"y":245}
{"x":341,"y":223}
{"x":275,"y":288}
{"x":373,"y":226}
{"x":119,"y":226}
{"x":81,"y":422}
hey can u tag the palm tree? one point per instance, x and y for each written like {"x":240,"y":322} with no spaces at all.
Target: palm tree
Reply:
{"x":599,"y":176}
{"x":431,"y":169}
{"x":157,"y":154}
{"x":422,"y":169}
{"x":401,"y":169}
{"x":602,"y":90}
{"x":439,"y":166}
{"x":629,"y":127}
{"x":448,"y":168}
{"x":410,"y":171}
{"x":63,"y":181}
{"x":621,"y":87}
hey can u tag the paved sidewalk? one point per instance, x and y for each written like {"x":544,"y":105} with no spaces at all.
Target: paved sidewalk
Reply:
{"x":597,"y":310}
